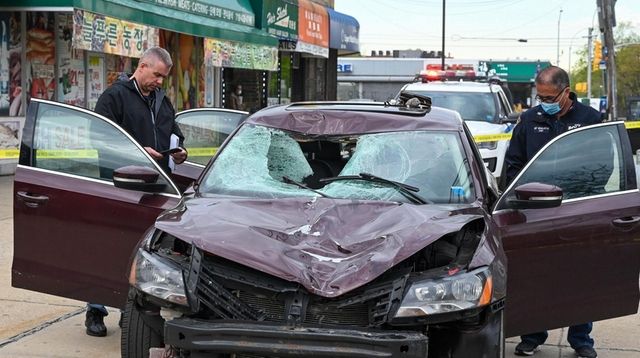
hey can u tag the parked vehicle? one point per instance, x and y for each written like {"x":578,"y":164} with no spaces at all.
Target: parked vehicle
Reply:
{"x":327,"y":229}
{"x":486,"y":110}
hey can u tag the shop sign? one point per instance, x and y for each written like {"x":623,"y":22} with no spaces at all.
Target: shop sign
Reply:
{"x":207,"y":10}
{"x":512,"y":71}
{"x":221,"y":53}
{"x":281,"y":19}
{"x":344,"y":32}
{"x":99,"y":33}
{"x":313,"y":32}
{"x":345,"y":68}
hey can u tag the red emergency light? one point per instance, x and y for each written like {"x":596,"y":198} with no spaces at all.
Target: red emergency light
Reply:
{"x":454,"y":72}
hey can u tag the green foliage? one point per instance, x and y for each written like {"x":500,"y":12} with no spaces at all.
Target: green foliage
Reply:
{"x":627,"y":62}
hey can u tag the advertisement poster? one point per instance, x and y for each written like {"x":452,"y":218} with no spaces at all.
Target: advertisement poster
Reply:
{"x":15,"y":65}
{"x":220,"y":53}
{"x":5,"y":19}
{"x":95,"y":71}
{"x":99,"y":33}
{"x":117,"y":66}
{"x":186,"y":71}
{"x":70,"y":64}
{"x":41,"y":55}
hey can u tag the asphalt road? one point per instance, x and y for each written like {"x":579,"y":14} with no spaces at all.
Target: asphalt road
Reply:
{"x":39,"y":325}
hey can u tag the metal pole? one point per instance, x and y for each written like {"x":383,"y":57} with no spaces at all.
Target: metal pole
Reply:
{"x":589,"y":60}
{"x":558,"y":42}
{"x":443,"y":12}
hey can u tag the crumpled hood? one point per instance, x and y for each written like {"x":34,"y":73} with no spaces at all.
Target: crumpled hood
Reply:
{"x":330,"y":246}
{"x":479,"y":127}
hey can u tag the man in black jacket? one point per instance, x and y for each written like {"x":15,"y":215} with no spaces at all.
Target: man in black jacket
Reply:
{"x":558,"y":112}
{"x":139,"y":106}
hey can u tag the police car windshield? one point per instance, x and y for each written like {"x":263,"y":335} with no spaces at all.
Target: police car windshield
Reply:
{"x":472,"y":106}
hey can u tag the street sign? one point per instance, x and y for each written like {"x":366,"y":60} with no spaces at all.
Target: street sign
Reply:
{"x":603,"y":65}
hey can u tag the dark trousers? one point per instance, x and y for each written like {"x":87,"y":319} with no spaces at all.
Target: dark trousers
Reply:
{"x":578,"y":336}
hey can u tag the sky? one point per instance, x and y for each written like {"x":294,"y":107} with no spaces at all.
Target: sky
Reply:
{"x":486,"y":29}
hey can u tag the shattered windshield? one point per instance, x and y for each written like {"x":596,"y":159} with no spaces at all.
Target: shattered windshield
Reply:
{"x":262,"y":162}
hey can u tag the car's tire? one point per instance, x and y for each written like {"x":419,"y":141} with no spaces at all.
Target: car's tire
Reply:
{"x":140,"y":332}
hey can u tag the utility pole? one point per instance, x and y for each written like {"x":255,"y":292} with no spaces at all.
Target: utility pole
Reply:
{"x":558,"y":41}
{"x":589,"y":60}
{"x":443,"y":13}
{"x":607,"y":21}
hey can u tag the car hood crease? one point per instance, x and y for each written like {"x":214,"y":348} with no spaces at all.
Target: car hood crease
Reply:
{"x":329,"y":246}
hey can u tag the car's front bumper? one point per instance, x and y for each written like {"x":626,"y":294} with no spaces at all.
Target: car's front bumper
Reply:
{"x":205,"y":337}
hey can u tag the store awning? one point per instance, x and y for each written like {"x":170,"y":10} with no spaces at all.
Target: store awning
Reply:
{"x":231,"y":20}
{"x":344,"y":33}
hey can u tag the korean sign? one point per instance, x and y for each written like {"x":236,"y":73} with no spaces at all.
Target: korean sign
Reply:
{"x":203,"y":8}
{"x":95,"y":32}
{"x":220,"y":53}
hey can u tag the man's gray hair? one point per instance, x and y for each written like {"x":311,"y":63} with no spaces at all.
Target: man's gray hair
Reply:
{"x":555,"y":76}
{"x":157,"y":53}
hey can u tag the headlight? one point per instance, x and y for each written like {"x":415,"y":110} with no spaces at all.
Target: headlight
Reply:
{"x":454,"y":293}
{"x":152,"y":275}
{"x":488,"y":145}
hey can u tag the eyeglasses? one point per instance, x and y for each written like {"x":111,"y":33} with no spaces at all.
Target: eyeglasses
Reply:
{"x":549,"y":99}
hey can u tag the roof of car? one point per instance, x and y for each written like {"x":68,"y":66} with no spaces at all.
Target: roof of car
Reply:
{"x":336,"y":118}
{"x":452,"y":86}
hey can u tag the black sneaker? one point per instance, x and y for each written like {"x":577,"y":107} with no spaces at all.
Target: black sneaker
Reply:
{"x":95,"y":323}
{"x":526,"y":349}
{"x":586,"y":352}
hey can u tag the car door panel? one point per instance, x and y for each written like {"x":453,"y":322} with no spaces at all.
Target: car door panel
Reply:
{"x":580,"y":261}
{"x":78,"y":242}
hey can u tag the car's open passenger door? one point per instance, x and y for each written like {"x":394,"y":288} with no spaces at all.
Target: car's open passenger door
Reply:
{"x":204,"y":130}
{"x":576,"y":259}
{"x":74,"y":231}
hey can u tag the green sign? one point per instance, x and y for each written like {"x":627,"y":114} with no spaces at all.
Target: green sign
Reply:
{"x":212,"y":11}
{"x":280,"y":19}
{"x":514,"y":71}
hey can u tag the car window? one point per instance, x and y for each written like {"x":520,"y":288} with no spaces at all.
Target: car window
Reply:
{"x":472,"y":106}
{"x":257,"y":158}
{"x":205,"y":131}
{"x":585,"y":163}
{"x":79,"y":143}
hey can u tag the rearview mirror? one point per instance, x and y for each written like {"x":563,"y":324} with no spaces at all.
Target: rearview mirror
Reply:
{"x":138,"y":178}
{"x":536,"y":196}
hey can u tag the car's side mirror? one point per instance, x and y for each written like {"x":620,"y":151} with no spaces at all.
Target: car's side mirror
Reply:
{"x":138,"y":178}
{"x":511,"y":118}
{"x":536,"y":196}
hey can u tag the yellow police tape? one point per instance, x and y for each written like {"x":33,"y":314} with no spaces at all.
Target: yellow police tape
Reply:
{"x":211,"y":151}
{"x":492,"y":137}
{"x":202,"y":151}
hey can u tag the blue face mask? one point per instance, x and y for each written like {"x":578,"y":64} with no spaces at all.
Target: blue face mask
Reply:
{"x":551,"y":108}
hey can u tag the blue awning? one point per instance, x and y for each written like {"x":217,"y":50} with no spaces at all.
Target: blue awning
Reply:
{"x":344,"y":32}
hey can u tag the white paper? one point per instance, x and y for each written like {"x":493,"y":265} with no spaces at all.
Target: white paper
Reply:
{"x":173,"y":143}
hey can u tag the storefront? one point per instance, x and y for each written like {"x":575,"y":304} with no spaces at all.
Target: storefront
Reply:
{"x":71,"y":50}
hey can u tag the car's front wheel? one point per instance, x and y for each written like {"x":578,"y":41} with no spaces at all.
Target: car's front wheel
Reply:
{"x":141,"y":330}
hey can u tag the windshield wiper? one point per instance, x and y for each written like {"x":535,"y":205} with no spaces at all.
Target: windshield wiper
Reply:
{"x":288,"y":180}
{"x":406,"y":190}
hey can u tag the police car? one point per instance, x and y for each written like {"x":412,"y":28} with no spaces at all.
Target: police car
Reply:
{"x":486,"y":110}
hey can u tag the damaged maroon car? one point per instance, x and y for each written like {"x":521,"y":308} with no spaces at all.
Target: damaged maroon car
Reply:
{"x":328,"y":230}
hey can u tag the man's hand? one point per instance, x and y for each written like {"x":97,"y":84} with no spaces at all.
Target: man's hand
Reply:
{"x":153,"y":153}
{"x":180,"y":156}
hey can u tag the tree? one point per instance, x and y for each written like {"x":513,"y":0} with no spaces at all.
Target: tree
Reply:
{"x":627,"y":58}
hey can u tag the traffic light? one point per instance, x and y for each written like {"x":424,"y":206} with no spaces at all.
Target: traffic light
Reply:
{"x":597,"y":55}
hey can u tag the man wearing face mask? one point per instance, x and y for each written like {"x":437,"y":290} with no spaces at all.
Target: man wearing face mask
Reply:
{"x":558,"y":112}
{"x":236,"y":98}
